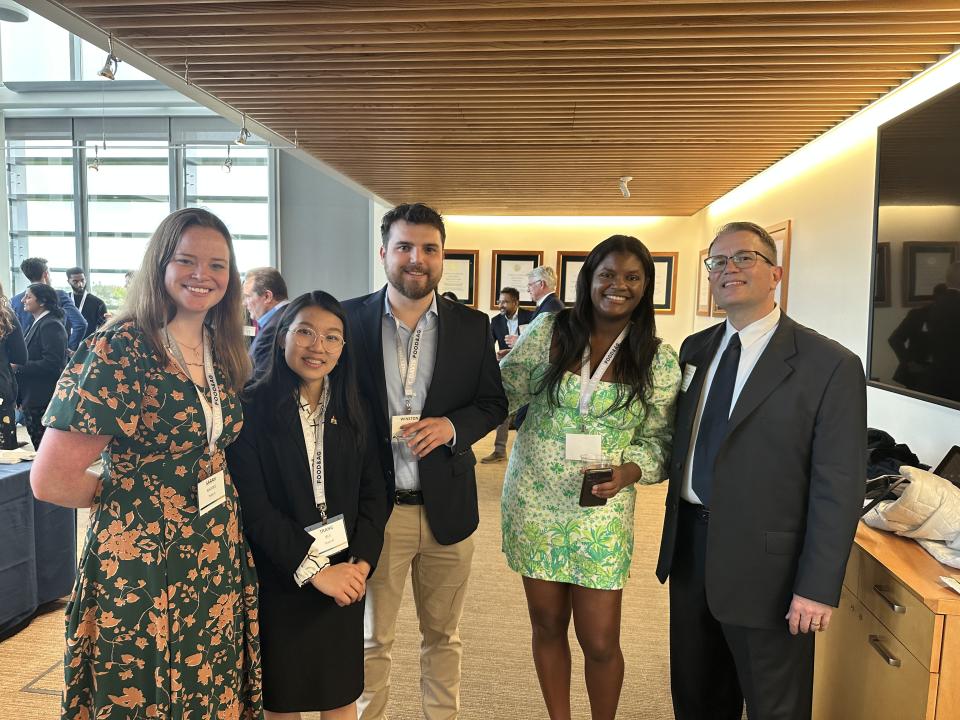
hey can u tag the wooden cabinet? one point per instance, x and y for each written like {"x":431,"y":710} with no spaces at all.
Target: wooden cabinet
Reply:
{"x":893,"y":648}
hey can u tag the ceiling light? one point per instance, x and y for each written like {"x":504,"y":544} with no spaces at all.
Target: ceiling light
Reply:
{"x":244,"y":133}
{"x":227,"y":163}
{"x":109,"y":69}
{"x":95,"y":163}
{"x":11,"y":12}
{"x":623,"y":185}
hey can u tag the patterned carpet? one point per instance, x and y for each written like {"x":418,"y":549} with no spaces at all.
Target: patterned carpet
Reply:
{"x":499,"y":680}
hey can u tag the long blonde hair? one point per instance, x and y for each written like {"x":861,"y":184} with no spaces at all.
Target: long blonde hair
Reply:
{"x":150,"y":307}
{"x":7,"y":318}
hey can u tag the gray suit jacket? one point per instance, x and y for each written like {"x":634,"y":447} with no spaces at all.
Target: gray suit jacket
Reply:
{"x":788,"y":480}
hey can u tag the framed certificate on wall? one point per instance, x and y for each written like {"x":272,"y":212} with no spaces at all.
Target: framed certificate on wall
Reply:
{"x":569,"y":263}
{"x":781,"y":238}
{"x":704,"y":300}
{"x":665,"y":282}
{"x":510,"y":269}
{"x":461,"y":275}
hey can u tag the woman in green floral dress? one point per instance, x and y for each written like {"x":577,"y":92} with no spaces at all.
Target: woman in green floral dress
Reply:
{"x":598,"y":381}
{"x":163,"y":619}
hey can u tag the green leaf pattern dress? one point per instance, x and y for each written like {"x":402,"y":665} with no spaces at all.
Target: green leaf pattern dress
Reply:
{"x":163,"y":618}
{"x":546,"y":534}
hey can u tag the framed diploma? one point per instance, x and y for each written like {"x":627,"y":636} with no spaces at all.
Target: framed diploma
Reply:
{"x":461,"y":275}
{"x":704,"y":300}
{"x":781,"y":238}
{"x":926,"y":265}
{"x":665,"y":282}
{"x":569,"y":263}
{"x":510,"y":269}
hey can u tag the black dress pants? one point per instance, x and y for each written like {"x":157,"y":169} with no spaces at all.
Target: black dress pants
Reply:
{"x":715,"y":667}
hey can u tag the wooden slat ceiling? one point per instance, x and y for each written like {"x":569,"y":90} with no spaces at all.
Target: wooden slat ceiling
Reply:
{"x":519,"y":107}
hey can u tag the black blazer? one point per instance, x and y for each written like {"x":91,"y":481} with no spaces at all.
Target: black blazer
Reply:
{"x":263,"y":343}
{"x":788,"y":480}
{"x":94,"y":312}
{"x":12,"y":350}
{"x":551,"y":303}
{"x":46,"y":357}
{"x":269,"y":466}
{"x":498,"y":326}
{"x":465,"y":388}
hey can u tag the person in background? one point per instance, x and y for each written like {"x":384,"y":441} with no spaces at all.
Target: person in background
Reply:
{"x":163,"y":618}
{"x":601,"y":387}
{"x":542,"y":286}
{"x":307,"y":406}
{"x":93,"y":309}
{"x":13,"y":351}
{"x":128,"y":278}
{"x":264,"y":294}
{"x":766,"y":488}
{"x":36,"y":271}
{"x":46,"y":342}
{"x":505,"y":328}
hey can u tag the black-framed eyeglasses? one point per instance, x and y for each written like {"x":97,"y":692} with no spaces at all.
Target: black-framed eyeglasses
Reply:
{"x":743,"y":259}
{"x":306,"y":337}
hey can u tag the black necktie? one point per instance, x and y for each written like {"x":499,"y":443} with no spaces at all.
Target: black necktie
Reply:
{"x":713,"y":422}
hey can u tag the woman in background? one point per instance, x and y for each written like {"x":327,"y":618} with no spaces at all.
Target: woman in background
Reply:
{"x":163,"y":619}
{"x":13,"y":351}
{"x":46,"y":342}
{"x":303,"y":458}
{"x":599,"y":383}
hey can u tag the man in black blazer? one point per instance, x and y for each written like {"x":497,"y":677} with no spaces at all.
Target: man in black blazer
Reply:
{"x":542,"y":286}
{"x":93,"y":309}
{"x":430,"y":376}
{"x":506,"y":325}
{"x":264,"y":296}
{"x":766,"y":485}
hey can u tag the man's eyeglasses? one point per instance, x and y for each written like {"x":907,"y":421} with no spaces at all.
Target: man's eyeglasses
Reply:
{"x":743,"y":259}
{"x":306,"y":337}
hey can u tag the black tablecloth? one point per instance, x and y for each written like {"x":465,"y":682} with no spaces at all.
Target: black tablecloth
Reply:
{"x":38,"y":549}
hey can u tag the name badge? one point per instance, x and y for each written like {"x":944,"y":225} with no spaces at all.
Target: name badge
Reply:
{"x":211,"y":492}
{"x":579,"y":445}
{"x":688,"y":372}
{"x":398,"y":421}
{"x":331,"y":536}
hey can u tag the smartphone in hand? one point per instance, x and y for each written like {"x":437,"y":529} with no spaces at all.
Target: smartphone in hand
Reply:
{"x":591,"y":477}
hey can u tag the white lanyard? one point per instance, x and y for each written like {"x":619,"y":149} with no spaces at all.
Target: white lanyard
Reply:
{"x":82,"y":301}
{"x":319,"y":486}
{"x":408,"y":367}
{"x":214,"y":428}
{"x":588,"y":384}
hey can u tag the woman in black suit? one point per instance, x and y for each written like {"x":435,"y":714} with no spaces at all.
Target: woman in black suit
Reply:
{"x":46,"y":341}
{"x":303,"y":413}
{"x":12,"y":352}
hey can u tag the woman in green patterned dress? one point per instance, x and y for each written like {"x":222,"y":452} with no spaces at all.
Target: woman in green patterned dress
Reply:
{"x":598,"y":382}
{"x":163,"y":619}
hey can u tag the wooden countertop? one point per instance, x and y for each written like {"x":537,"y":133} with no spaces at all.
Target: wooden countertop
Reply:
{"x":913,"y":566}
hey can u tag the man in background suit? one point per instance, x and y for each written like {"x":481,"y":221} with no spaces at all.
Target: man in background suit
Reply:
{"x":505,"y":328}
{"x":542,"y":286}
{"x":766,"y":486}
{"x":93,"y":309}
{"x":264,"y":293}
{"x":36,"y":270}
{"x":429,"y":374}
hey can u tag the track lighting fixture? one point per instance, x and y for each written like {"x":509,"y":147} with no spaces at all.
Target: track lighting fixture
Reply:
{"x":95,"y":163}
{"x":227,"y":163}
{"x":623,"y":185}
{"x":109,"y":69}
{"x":244,"y":133}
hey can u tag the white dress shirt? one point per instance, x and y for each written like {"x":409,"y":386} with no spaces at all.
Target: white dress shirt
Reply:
{"x":753,"y":341}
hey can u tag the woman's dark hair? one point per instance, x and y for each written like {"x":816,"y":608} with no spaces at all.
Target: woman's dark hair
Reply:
{"x":276,"y":390}
{"x":47,"y":297}
{"x":631,"y":368}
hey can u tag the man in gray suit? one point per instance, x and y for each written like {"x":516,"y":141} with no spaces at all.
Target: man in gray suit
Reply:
{"x":766,"y":486}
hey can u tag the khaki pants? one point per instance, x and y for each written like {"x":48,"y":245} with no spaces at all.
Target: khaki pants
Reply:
{"x":439,"y":575}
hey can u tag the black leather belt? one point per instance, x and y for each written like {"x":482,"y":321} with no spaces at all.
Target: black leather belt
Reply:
{"x":409,"y":497}
{"x":702,"y":512}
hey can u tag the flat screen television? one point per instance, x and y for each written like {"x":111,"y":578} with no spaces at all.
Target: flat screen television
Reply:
{"x":915,"y":312}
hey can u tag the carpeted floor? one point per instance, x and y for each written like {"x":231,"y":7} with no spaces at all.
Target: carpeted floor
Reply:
{"x":499,"y":680}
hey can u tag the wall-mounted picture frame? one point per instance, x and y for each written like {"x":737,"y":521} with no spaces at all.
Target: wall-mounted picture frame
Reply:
{"x":881,"y":276}
{"x":461,"y":275}
{"x":780,"y":232}
{"x":510,"y":269}
{"x":665,"y":282}
{"x":925,"y":266}
{"x":704,"y":298}
{"x":569,"y":263}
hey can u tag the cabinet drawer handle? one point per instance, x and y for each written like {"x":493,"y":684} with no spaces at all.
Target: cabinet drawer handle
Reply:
{"x":884,"y":653}
{"x":895,"y":606}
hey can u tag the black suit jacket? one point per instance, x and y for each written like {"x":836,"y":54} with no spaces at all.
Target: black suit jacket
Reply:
{"x":788,"y":480}
{"x":551,"y":303}
{"x":465,"y":388}
{"x":46,"y":357}
{"x":498,"y":326}
{"x":269,"y":466}
{"x":94,"y":312}
{"x":262,"y":344}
